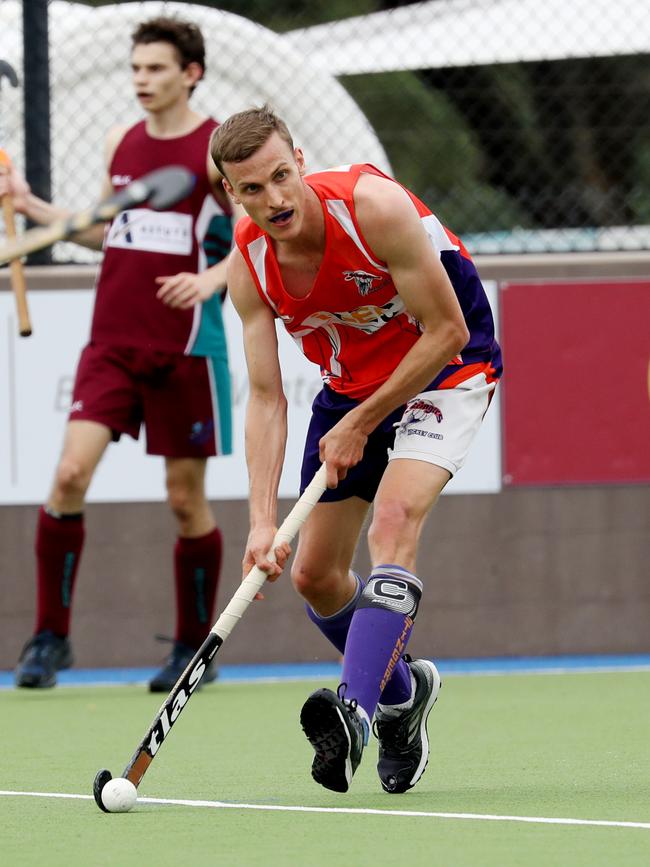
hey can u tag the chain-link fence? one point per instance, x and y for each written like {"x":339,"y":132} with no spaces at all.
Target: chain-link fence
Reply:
{"x":525,"y":126}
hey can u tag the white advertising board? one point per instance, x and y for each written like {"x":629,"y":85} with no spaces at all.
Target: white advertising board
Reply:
{"x":36,"y":378}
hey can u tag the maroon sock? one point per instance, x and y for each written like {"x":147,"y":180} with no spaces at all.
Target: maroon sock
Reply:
{"x":59,"y":542}
{"x":197,"y":563}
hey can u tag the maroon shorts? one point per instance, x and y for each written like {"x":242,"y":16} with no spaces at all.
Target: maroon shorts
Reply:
{"x":182,"y":400}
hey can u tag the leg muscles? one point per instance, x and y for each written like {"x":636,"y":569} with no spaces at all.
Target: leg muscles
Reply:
{"x":321,"y":569}
{"x":84,"y":444}
{"x":185,"y":479}
{"x":407,"y":492}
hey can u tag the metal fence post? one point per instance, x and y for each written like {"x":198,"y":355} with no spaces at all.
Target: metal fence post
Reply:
{"x":36,"y":96}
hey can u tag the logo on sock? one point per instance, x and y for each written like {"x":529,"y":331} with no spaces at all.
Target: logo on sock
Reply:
{"x":398,"y":652}
{"x":391,"y":593}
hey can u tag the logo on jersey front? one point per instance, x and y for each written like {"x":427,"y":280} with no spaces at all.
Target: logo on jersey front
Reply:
{"x":121,"y":180}
{"x":363,"y":281}
{"x":368,"y":318}
{"x":151,"y":231}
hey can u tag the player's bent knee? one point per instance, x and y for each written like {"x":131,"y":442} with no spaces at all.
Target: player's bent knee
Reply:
{"x":185,"y":500}
{"x":313,"y":584}
{"x":392,"y":518}
{"x":182,"y":505}
{"x":72,"y":478}
{"x":302,"y":578}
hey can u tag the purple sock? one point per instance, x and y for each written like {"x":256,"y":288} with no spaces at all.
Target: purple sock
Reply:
{"x":377,"y":638}
{"x":399,"y":688}
{"x":335,"y":627}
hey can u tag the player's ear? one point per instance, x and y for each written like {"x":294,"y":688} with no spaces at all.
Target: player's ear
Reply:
{"x":194,"y":72}
{"x":300,"y":160}
{"x":229,"y":189}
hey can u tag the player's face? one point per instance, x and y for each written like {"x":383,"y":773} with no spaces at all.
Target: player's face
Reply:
{"x":158,"y":79}
{"x":269,"y":186}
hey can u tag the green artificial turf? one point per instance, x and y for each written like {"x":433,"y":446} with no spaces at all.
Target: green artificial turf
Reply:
{"x":573,"y":746}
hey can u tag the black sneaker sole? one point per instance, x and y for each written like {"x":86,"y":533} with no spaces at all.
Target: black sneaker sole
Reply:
{"x":25,"y":680}
{"x":28,"y":681}
{"x":327,"y":732}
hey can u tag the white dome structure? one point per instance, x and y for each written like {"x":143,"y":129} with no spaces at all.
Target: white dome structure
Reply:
{"x":247,"y":65}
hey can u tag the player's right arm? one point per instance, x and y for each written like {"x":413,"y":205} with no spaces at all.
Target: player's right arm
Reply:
{"x":266,"y":417}
{"x":43,"y":213}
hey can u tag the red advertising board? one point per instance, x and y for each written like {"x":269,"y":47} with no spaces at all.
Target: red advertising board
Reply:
{"x":576,"y":385}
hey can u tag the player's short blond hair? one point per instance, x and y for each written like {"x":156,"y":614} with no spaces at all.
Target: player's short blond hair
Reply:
{"x":244,"y":133}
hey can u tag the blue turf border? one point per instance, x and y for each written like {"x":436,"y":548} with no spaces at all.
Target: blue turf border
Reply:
{"x":331,"y":670}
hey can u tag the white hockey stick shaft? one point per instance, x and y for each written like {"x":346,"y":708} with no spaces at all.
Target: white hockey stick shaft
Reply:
{"x":190,"y":678}
{"x":253,"y":582}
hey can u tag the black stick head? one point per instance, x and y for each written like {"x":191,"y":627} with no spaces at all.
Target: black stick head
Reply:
{"x":101,"y":779}
{"x":160,"y":189}
{"x":168,"y":186}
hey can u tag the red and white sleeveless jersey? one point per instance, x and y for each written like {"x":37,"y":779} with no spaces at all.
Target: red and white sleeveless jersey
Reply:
{"x":353,"y":323}
{"x":141,"y":244}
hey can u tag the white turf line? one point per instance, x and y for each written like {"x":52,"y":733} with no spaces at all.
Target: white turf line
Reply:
{"x":478,"y":817}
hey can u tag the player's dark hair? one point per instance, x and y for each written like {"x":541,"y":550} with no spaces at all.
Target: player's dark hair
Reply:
{"x":184,"y":36}
{"x":243,"y":134}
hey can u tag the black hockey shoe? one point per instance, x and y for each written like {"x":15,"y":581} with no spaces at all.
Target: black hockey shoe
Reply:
{"x":43,"y":655}
{"x":402,"y":735}
{"x":338,"y":735}
{"x":175,"y":665}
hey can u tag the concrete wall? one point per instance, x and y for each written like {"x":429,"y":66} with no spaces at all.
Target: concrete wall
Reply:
{"x":538,"y":571}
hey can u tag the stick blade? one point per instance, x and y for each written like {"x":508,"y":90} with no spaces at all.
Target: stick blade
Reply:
{"x":168,"y":186}
{"x":160,"y":189}
{"x":102,"y":777}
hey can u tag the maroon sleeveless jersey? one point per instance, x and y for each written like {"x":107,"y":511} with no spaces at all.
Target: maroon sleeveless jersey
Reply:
{"x":141,"y":244}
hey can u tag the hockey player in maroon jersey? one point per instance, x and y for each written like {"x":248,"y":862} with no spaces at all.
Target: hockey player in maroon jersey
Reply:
{"x":156,"y":356}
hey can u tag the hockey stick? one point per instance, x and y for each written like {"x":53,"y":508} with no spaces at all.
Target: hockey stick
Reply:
{"x":191,"y":677}
{"x":160,"y":189}
{"x":16,"y":275}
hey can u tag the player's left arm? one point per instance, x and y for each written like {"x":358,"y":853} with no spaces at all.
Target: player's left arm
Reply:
{"x":394,"y":232}
{"x":184,"y":290}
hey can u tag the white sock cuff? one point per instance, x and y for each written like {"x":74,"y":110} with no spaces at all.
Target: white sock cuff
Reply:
{"x":392,"y":571}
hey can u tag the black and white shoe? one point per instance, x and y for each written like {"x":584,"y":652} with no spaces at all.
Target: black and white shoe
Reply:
{"x":175,"y":664}
{"x":402,"y":735}
{"x":43,"y":655}
{"x":337,"y":733}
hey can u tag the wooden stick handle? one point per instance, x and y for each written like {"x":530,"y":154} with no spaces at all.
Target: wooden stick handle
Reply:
{"x":16,"y":271}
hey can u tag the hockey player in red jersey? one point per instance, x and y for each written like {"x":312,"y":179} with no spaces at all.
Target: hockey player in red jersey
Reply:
{"x":389,"y":304}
